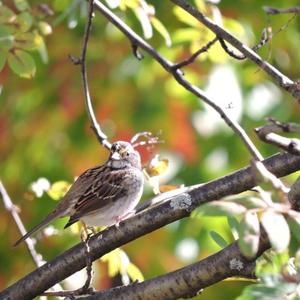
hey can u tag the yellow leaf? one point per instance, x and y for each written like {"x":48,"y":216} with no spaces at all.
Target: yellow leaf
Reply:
{"x":185,"y":17}
{"x":157,"y":166}
{"x":58,"y":189}
{"x":167,"y":188}
{"x":236,"y":28}
{"x":113,"y":259}
{"x":75,"y":228}
{"x":134,"y":273}
{"x":129,"y":3}
{"x":217,"y":55}
{"x":162,"y":30}
{"x":201,"y":6}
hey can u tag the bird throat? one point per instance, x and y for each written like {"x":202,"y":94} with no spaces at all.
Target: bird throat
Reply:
{"x":117,"y":164}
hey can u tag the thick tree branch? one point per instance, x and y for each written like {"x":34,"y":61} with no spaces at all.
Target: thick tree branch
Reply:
{"x":294,"y":195}
{"x":188,"y":281}
{"x":282,"y":80}
{"x":168,"y":211}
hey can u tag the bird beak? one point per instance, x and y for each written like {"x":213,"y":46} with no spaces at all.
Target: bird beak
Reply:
{"x":116,"y":156}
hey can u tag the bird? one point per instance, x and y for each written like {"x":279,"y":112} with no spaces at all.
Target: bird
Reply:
{"x":103,"y":195}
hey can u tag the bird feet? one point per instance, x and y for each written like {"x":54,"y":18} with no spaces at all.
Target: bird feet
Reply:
{"x":119,"y":219}
{"x":87,"y":232}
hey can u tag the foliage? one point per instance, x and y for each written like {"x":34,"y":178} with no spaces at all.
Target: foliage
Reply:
{"x":20,"y":32}
{"x":45,"y":129}
{"x":277,"y":280}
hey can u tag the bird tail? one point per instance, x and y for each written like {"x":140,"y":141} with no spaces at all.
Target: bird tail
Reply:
{"x":53,"y":215}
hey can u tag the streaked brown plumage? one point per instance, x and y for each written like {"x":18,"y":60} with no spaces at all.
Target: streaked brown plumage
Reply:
{"x":103,"y":195}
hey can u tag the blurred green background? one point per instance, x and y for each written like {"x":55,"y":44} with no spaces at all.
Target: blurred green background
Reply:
{"x":45,"y":131}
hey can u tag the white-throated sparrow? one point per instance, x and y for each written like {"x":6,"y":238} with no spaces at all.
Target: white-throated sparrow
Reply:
{"x":103,"y":195}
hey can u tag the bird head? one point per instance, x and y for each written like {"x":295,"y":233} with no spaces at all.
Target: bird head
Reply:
{"x":122,"y":154}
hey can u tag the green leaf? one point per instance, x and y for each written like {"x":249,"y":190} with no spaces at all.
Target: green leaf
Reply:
{"x":45,"y":28}
{"x":21,"y":5}
{"x":294,"y":224}
{"x":277,"y":229}
{"x":6,"y":14}
{"x":42,"y":49}
{"x":61,"y":5}
{"x":185,"y":35}
{"x":249,"y":233}
{"x":234,"y":225}
{"x":220,"y":241}
{"x":220,"y":208}
{"x":58,"y":189}
{"x":21,"y":63}
{"x":24,"y":21}
{"x":3,"y":57}
{"x":249,"y":202}
{"x":162,"y":30}
{"x":27,"y":41}
{"x":277,"y":291}
{"x":6,"y":39}
{"x":271,"y":262}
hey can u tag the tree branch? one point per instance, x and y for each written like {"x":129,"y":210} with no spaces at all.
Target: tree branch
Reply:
{"x":269,"y":134}
{"x":188,"y":281}
{"x":170,"y":210}
{"x":282,"y":80}
{"x":102,"y":138}
{"x":10,"y":207}
{"x":192,"y":58}
{"x":136,"y":40}
{"x":294,"y":195}
{"x":274,"y":11}
{"x":178,"y":76}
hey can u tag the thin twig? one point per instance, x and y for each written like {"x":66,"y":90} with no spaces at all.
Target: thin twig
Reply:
{"x":102,"y":138}
{"x":37,"y":258}
{"x":231,"y":52}
{"x":283,"y":81}
{"x":263,"y":174}
{"x":178,"y":75}
{"x":30,"y":242}
{"x":192,"y":58}
{"x":267,"y":34}
{"x":149,"y":139}
{"x":264,"y":39}
{"x":274,"y":11}
{"x":269,"y":134}
{"x":85,"y":289}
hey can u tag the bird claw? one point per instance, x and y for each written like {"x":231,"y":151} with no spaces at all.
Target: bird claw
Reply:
{"x":87,"y":232}
{"x":124,"y":217}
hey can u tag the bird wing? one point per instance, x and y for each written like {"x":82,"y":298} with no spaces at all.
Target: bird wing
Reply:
{"x":80,"y":187}
{"x":105,"y":189}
